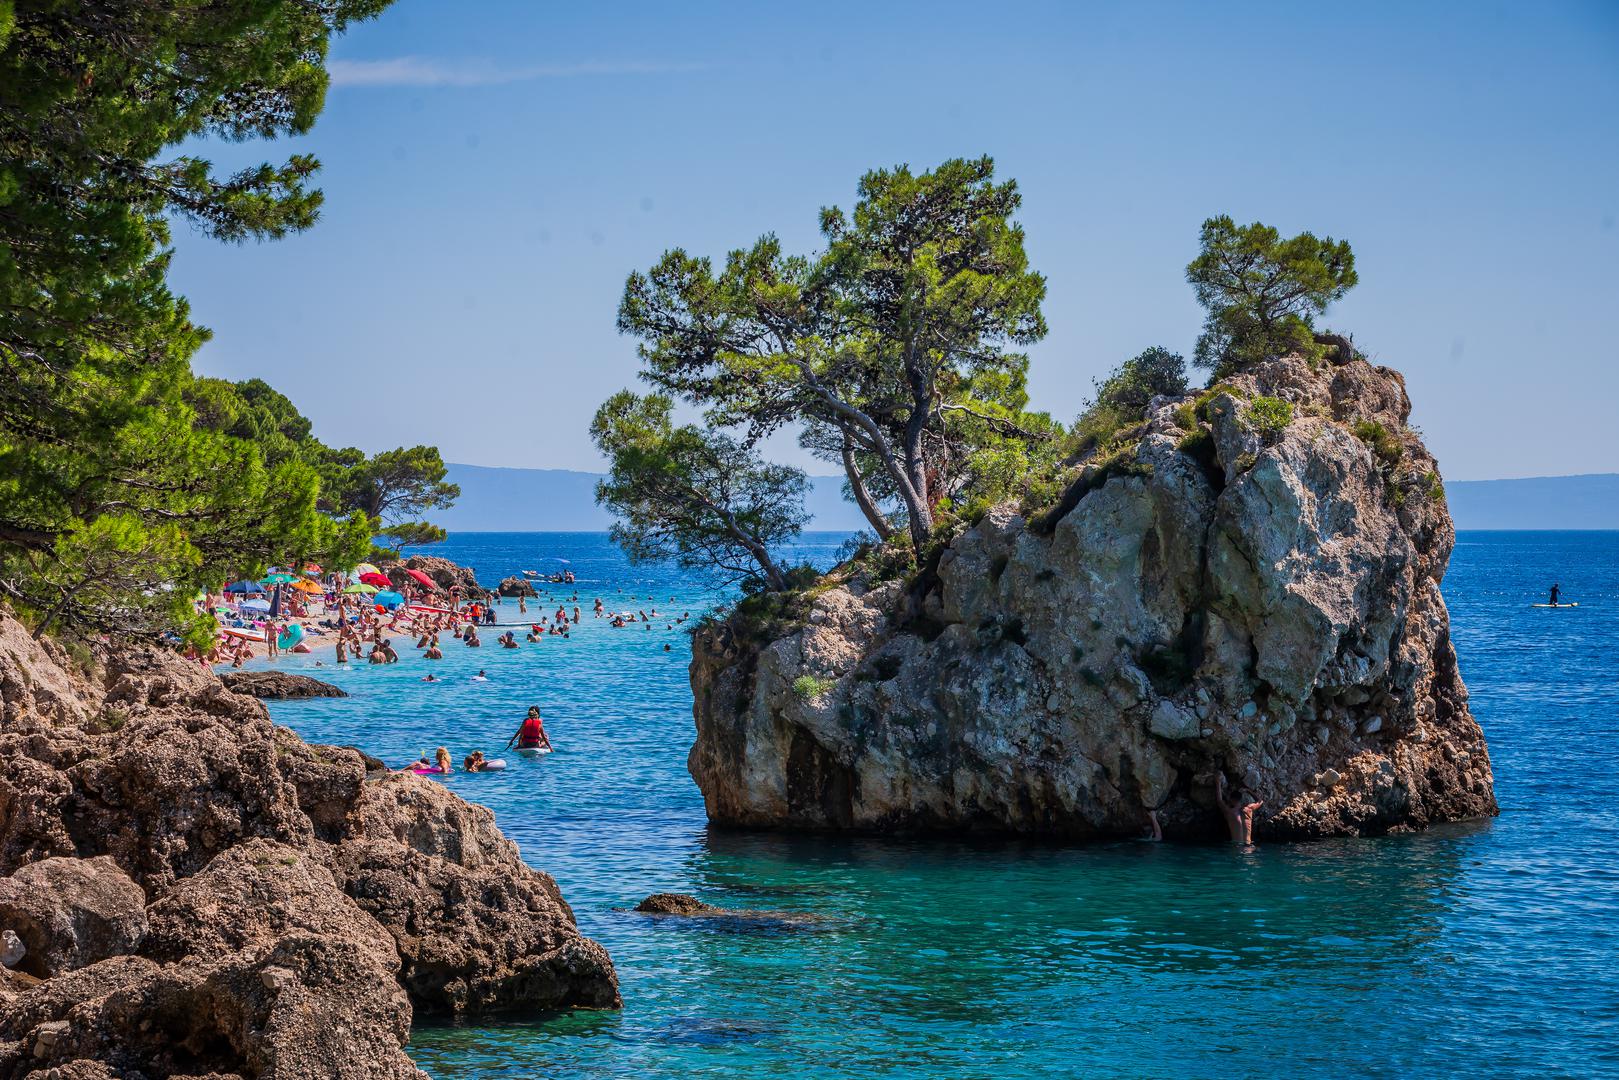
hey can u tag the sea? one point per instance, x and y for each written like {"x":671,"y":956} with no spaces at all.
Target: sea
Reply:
{"x":1485,"y":949}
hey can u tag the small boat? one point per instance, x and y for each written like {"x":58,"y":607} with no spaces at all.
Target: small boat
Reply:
{"x":531,"y":573}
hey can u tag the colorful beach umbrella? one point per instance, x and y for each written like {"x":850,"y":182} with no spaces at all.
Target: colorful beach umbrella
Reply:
{"x":244,"y":587}
{"x":278,"y":578}
{"x":365,"y":568}
{"x":255,"y":605}
{"x":422,"y":578}
{"x":379,"y":580}
{"x":307,"y":586}
{"x":360,"y":587}
{"x":388,"y":598}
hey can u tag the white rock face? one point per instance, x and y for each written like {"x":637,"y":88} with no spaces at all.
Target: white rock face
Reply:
{"x":1273,"y":613}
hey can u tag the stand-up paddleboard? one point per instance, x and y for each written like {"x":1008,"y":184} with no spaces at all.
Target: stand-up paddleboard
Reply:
{"x":1575,"y":604}
{"x":533,"y":751}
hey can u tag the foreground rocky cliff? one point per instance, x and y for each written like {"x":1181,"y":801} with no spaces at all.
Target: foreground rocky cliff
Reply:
{"x":1250,"y":587}
{"x":193,"y":891}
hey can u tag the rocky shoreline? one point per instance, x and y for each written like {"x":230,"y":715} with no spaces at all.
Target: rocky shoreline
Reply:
{"x":190,"y":890}
{"x":1250,"y":590}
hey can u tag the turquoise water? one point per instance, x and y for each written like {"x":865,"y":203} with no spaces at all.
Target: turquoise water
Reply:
{"x":1488,"y":948}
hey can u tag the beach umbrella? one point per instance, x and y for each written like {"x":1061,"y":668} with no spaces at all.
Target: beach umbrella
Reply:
{"x":388,"y":598}
{"x":365,"y":568}
{"x":307,"y":586}
{"x":278,"y":578}
{"x":360,"y":587}
{"x":255,"y":605}
{"x":379,"y":580}
{"x":244,"y":587}
{"x":422,"y":578}
{"x":312,"y":568}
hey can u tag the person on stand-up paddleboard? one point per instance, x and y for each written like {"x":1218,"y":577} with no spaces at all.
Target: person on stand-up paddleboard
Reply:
{"x":1555,"y":590}
{"x":531,"y":736}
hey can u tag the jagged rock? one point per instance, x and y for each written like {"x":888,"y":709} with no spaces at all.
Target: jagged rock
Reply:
{"x":445,"y":574}
{"x":516,"y":586}
{"x":72,"y":912}
{"x":1179,"y":617}
{"x":215,"y":896}
{"x":476,"y":930}
{"x":278,"y":684}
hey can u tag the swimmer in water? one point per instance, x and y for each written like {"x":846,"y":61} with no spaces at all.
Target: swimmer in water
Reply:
{"x":480,"y":677}
{"x":1238,"y":813}
{"x":531,"y":733}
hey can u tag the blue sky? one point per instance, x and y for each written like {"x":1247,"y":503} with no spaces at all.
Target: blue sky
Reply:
{"x":494,"y":170}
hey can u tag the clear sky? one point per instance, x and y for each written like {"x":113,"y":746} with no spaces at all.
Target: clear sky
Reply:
{"x":493,"y":170}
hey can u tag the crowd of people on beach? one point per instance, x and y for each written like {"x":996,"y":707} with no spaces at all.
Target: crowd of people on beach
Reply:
{"x":360,"y":621}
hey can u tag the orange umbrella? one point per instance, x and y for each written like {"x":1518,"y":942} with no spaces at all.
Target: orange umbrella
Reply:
{"x":307,"y":586}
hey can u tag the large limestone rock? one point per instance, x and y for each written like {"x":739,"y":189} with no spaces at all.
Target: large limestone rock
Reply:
{"x":70,"y":913}
{"x":445,"y":574}
{"x":516,"y":586}
{"x":192,"y":891}
{"x":1224,"y":598}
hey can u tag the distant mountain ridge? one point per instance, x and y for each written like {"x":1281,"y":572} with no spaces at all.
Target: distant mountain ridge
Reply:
{"x":497,"y":499}
{"x":564,"y":500}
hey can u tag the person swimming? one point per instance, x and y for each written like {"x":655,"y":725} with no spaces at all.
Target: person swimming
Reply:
{"x":531,"y":734}
{"x":475,"y":762}
{"x":1238,"y":813}
{"x":430,"y":677}
{"x":480,"y":677}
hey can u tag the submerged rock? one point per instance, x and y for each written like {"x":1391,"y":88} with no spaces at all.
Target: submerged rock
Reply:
{"x":278,"y":685}
{"x":195,"y":891}
{"x":1262,"y":604}
{"x":673,"y":904}
{"x":683,"y":906}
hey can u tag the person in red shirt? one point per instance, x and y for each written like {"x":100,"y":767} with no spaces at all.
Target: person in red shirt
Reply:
{"x":531,"y":736}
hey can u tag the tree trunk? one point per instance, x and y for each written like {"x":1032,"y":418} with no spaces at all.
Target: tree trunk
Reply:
{"x":857,"y":484}
{"x":917,"y":500}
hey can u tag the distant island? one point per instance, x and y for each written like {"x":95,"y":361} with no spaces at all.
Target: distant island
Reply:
{"x":563,"y":500}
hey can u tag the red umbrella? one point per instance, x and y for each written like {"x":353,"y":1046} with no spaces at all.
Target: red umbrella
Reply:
{"x":422,"y":578}
{"x":378,"y":580}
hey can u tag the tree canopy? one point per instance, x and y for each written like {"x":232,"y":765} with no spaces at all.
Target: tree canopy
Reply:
{"x":893,"y":343}
{"x":702,"y":499}
{"x":114,"y":502}
{"x":1262,"y":292}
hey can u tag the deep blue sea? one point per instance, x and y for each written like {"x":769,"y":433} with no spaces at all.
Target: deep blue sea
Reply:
{"x":1489,"y":949}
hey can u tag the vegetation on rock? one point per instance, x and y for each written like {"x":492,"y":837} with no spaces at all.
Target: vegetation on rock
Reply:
{"x":1262,"y":292}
